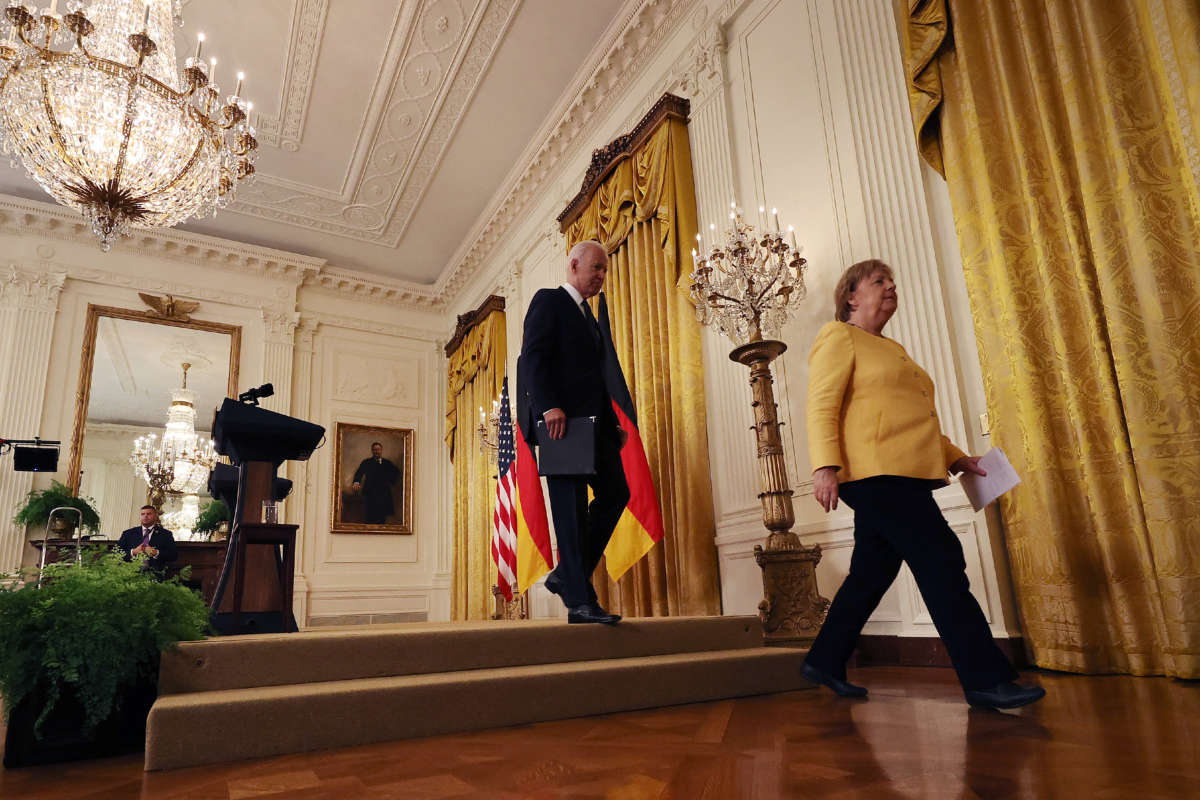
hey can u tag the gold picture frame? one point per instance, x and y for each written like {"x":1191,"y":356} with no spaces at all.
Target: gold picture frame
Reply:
{"x":87,"y":361}
{"x":353,"y":503}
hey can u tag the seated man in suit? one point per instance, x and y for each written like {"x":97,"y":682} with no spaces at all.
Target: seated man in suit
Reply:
{"x":149,"y":539}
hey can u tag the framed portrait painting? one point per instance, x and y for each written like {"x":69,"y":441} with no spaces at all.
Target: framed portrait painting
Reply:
{"x":372,"y":479}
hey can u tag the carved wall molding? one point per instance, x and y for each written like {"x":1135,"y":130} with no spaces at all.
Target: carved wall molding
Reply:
{"x":325,"y":320}
{"x":646,"y":29}
{"x":376,"y":380}
{"x":280,"y":325}
{"x":39,"y":291}
{"x":175,"y":288}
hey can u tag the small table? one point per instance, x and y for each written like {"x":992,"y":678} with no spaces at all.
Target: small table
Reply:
{"x":260,"y":533}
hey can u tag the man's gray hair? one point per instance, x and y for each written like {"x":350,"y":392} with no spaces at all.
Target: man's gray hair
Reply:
{"x":581,"y":248}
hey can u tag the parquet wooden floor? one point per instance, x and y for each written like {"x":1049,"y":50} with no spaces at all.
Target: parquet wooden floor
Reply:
{"x":1092,"y":737}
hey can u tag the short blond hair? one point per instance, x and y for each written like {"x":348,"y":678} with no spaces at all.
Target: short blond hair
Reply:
{"x":849,"y":281}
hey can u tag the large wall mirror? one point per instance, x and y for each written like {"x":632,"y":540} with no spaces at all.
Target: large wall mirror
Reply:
{"x":132,"y":370}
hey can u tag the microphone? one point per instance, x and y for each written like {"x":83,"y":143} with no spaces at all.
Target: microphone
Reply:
{"x":252,"y":396}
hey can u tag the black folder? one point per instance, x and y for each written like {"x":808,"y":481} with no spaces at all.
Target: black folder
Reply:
{"x":574,"y":454}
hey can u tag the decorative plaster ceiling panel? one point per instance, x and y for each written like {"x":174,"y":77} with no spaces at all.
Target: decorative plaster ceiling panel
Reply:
{"x":387,"y":125}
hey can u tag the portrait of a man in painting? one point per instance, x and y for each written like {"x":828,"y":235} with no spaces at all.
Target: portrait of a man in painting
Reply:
{"x":373,"y":479}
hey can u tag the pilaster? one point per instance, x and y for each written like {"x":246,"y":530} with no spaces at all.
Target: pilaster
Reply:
{"x":28,"y":305}
{"x":701,"y":76}
{"x":897,"y":227}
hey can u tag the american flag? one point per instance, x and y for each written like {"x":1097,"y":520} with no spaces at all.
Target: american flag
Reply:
{"x":504,"y":520}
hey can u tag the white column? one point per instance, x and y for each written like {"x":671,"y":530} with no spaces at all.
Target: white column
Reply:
{"x":897,"y":216}
{"x":302,"y":499}
{"x":28,"y":304}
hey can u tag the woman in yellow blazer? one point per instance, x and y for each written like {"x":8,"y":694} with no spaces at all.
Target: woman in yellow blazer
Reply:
{"x":875,"y":442}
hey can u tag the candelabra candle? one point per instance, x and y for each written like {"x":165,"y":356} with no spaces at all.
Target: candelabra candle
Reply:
{"x":97,"y":94}
{"x":748,"y":285}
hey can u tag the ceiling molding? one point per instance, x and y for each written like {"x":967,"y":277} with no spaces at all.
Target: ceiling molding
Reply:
{"x":307,"y":31}
{"x":21,"y":217}
{"x":631,"y":46}
{"x":446,"y":54}
{"x":387,"y":291}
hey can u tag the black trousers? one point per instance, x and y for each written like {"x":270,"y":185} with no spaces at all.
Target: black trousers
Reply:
{"x":583,"y":530}
{"x":897,"y":520}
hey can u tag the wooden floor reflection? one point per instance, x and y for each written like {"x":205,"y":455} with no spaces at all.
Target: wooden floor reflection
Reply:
{"x":1101,"y":737}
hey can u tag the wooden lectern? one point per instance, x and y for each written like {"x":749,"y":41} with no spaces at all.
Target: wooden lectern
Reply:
{"x":261,"y":556}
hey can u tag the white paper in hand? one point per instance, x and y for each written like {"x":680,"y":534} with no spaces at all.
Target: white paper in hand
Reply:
{"x":983,"y":489}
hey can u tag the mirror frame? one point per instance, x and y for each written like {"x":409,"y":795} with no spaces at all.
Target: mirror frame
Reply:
{"x":83,"y":394}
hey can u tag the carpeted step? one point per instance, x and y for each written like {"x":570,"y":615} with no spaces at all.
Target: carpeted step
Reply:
{"x":208,"y":727}
{"x":237,"y":662}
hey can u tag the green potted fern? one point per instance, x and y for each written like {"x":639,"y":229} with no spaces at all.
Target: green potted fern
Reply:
{"x":79,"y":655}
{"x":212,"y":516}
{"x":40,"y":502}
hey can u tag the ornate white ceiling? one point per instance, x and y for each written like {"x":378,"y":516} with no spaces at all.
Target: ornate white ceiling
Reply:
{"x":387,"y":126}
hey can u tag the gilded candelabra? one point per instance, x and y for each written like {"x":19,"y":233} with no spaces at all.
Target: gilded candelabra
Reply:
{"x":745,"y":286}
{"x":488,"y":431}
{"x":100,"y":115}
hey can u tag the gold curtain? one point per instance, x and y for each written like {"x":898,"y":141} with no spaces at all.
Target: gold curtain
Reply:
{"x":645,"y":215}
{"x":1067,"y":131}
{"x":473,"y":380}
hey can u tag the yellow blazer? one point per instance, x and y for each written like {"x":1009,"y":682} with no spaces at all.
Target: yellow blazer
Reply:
{"x":870,"y":409}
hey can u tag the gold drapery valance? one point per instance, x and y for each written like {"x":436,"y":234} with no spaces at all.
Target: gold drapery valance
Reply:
{"x":474,"y":377}
{"x":1067,"y":131}
{"x":643,"y":210}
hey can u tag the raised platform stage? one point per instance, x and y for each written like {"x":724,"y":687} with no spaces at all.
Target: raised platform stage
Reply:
{"x":226,"y":699}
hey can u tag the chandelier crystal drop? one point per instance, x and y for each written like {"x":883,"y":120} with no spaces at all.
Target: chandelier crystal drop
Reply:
{"x":178,"y":463}
{"x":95,"y":106}
{"x":748,"y":285}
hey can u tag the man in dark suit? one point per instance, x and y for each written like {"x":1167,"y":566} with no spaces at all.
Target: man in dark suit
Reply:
{"x":561,"y":375}
{"x":149,"y":539}
{"x":375,"y":478}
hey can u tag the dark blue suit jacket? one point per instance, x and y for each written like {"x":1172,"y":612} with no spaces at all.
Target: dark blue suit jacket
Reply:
{"x":561,"y":364}
{"x":161,"y":539}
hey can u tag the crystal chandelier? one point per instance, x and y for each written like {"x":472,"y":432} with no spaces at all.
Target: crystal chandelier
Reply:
{"x":101,"y":117}
{"x":178,"y":463}
{"x":748,"y":286}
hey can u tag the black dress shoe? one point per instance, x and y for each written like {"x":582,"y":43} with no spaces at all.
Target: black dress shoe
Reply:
{"x":840,"y":687}
{"x":591,"y":612}
{"x":1005,"y":695}
{"x":553,"y":584}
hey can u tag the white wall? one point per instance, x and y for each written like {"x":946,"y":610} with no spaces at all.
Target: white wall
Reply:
{"x":319,"y":340}
{"x":798,"y":104}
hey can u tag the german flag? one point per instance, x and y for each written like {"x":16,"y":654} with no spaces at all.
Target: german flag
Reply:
{"x":534,"y":555}
{"x":640,"y":527}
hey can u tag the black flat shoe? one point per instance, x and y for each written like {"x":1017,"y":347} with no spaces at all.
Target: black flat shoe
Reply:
{"x":591,"y":612}
{"x":840,"y":687}
{"x":1005,"y":695}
